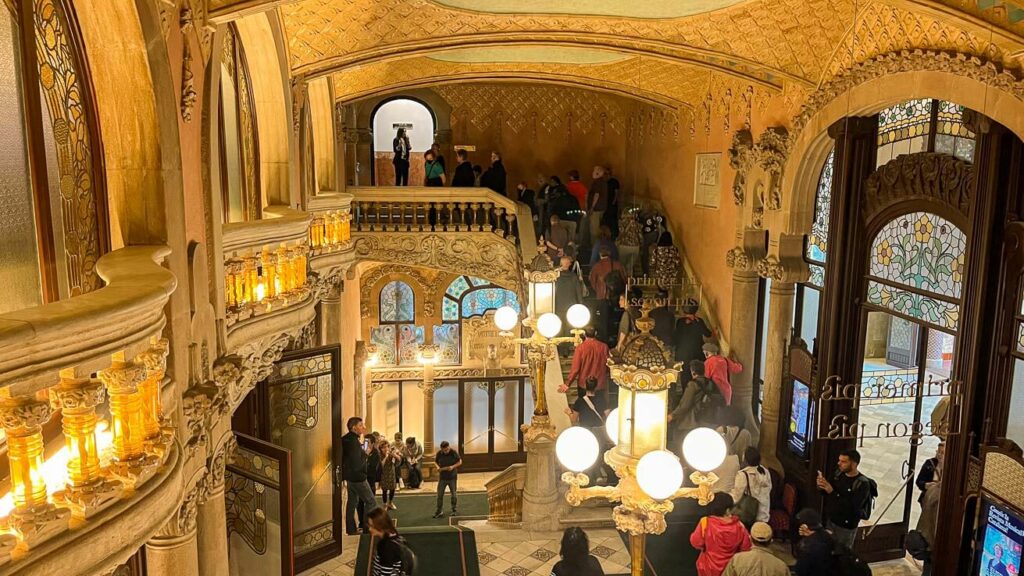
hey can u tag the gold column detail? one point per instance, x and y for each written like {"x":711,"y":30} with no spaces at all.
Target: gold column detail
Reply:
{"x":155,"y":361}
{"x":131,"y":463}
{"x":88,"y":491}
{"x":34,"y":519}
{"x":538,"y":355}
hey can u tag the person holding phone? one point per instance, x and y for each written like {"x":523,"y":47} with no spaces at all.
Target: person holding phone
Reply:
{"x":354,"y":454}
{"x":448,"y":462}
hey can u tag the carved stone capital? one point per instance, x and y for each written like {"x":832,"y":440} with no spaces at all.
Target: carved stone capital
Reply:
{"x":155,"y":359}
{"x":22,"y":418}
{"x":745,"y":257}
{"x":788,"y":265}
{"x":183,"y":521}
{"x":77,"y":394}
{"x":772,"y":152}
{"x":123,"y":377}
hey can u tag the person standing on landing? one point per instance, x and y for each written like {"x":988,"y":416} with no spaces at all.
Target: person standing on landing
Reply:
{"x":402,"y":149}
{"x":353,"y":472}
{"x":846,"y":497}
{"x":719,"y":536}
{"x":448,"y":462}
{"x":463,"y":177}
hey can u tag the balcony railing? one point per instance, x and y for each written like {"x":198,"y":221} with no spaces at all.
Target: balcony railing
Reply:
{"x":427,"y":209}
{"x":266,"y":263}
{"x":331,"y":227}
{"x":505,"y":496}
{"x":48,"y":358}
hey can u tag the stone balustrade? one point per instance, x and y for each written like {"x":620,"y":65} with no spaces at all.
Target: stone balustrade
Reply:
{"x":505,"y":496}
{"x":331,"y":227}
{"x":428,"y":209}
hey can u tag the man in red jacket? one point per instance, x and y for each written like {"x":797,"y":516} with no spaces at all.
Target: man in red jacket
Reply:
{"x":718,"y":368}
{"x":590,"y":360}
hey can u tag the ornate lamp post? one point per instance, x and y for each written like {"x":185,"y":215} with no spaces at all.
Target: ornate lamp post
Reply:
{"x":650,"y":476}
{"x":541,"y":488}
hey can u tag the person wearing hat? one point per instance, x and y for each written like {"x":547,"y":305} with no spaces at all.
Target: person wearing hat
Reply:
{"x":758,"y":561}
{"x":718,"y":368}
{"x":689,"y":334}
{"x":814,"y":551}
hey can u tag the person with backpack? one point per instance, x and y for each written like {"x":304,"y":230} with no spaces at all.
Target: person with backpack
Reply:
{"x":848,"y":497}
{"x":576,"y":557}
{"x":699,"y":404}
{"x":719,"y":368}
{"x":392,"y":556}
{"x":719,"y":536}
{"x":813,"y":552}
{"x":589,"y":411}
{"x":606,"y":271}
{"x":752,"y":489}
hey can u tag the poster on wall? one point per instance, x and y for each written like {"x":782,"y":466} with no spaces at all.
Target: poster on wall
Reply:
{"x":396,"y":125}
{"x":799,"y":418}
{"x":1002,"y":538}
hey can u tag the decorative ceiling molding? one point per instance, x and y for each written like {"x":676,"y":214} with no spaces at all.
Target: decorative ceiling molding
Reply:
{"x":531,"y":53}
{"x":663,"y":9}
{"x":1000,"y":20}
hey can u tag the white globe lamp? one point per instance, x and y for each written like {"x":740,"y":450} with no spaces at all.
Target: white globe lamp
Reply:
{"x":505,"y":318}
{"x":577,"y":448}
{"x":611,"y":426}
{"x":549,"y":325}
{"x":578,"y":316}
{"x":659,"y":474}
{"x":704,"y":449}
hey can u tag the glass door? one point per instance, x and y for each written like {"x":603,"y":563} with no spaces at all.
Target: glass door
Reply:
{"x":257,"y":501}
{"x":303,"y":413}
{"x":491,"y":417}
{"x":893,"y":428}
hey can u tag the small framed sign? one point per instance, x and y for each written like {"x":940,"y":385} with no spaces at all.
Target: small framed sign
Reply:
{"x":707,"y":181}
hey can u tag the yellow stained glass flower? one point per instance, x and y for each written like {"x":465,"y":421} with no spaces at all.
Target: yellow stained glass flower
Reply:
{"x":957,"y":268}
{"x":923,"y":229}
{"x":885,"y":296}
{"x":884,"y":253}
{"x":952,"y":317}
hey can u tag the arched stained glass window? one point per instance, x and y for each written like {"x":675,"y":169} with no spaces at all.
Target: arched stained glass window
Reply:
{"x":397,"y":303}
{"x":923,"y":125}
{"x":817,"y":242}
{"x":466,"y":296}
{"x":917,"y":265}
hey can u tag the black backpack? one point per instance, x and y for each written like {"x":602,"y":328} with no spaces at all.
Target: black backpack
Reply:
{"x":614,"y":283}
{"x":846,"y":563}
{"x":708,"y":403}
{"x":409,"y":561}
{"x":869,"y":503}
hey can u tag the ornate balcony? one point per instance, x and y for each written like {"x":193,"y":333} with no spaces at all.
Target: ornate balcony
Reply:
{"x":72,"y":363}
{"x":330,"y":235}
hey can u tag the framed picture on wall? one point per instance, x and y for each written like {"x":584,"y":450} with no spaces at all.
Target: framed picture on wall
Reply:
{"x":707,"y":180}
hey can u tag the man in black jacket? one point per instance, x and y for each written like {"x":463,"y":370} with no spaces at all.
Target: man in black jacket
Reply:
{"x":353,"y":471}
{"x":847,"y":495}
{"x":463,"y":177}
{"x":814,"y":551}
{"x":495,"y":178}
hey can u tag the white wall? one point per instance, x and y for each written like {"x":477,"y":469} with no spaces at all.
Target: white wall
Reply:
{"x":403,"y":111}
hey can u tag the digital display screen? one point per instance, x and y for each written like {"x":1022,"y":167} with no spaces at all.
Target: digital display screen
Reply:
{"x":1002,"y":537}
{"x":799,"y":419}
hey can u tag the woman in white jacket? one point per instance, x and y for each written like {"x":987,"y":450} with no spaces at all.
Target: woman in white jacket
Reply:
{"x":758,"y":479}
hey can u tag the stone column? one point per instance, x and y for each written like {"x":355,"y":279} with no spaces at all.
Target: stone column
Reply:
{"x":212,"y":532}
{"x":173,"y":551}
{"x":743,"y":325}
{"x":330,"y":314}
{"x":428,"y":357}
{"x":780,"y":325}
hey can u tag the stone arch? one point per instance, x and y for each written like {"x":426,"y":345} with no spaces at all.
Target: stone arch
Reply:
{"x":266,"y":55}
{"x":966,"y":80}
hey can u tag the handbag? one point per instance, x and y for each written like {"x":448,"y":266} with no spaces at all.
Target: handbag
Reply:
{"x":747,"y":507}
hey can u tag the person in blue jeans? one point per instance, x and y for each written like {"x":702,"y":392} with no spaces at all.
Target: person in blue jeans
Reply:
{"x":354,"y":455}
{"x":448,"y":462}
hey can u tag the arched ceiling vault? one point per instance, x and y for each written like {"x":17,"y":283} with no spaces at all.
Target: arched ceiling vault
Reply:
{"x":369,"y":47}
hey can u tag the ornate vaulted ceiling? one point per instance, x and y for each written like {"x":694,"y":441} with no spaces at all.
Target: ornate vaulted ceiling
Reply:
{"x":770,"y":47}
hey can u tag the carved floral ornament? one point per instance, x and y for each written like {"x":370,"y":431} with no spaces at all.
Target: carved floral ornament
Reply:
{"x":770,"y":153}
{"x":28,"y":416}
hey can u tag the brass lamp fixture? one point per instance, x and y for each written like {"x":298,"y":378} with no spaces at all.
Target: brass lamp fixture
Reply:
{"x":545,"y":327}
{"x":650,"y":476}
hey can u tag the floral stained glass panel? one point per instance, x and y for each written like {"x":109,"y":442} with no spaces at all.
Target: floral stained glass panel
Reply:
{"x":446,"y":336}
{"x":481,"y":300}
{"x":383,"y":337}
{"x":397,"y":303}
{"x":449,"y":310}
{"x":932,"y":310}
{"x":410,"y":338}
{"x":922,"y":251}
{"x":458,"y":287}
{"x":817,"y":243}
{"x":478,"y":281}
{"x":904,"y":121}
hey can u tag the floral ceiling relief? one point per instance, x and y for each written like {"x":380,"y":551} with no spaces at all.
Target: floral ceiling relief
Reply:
{"x":917,"y":267}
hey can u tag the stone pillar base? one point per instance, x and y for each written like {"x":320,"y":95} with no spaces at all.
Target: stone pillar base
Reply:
{"x":540,"y":493}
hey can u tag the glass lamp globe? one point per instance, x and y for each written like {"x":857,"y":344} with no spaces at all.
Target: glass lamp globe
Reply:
{"x":659,"y":474}
{"x":549,"y":325}
{"x":578,"y":315}
{"x":704,"y":449}
{"x":611,"y":426}
{"x":577,"y":448}
{"x":505,"y":318}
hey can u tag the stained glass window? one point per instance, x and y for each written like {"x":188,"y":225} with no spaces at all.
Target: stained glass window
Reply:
{"x":383,"y":337}
{"x":397,"y":303}
{"x":817,"y":242}
{"x":458,"y":287}
{"x":478,"y":281}
{"x":904,"y":121}
{"x":917,"y":266}
{"x":481,"y":300}
{"x":409,"y":340}
{"x":446,"y":337}
{"x":952,"y":135}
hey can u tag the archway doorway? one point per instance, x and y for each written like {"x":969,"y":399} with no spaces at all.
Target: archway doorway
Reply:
{"x":419,"y":123}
